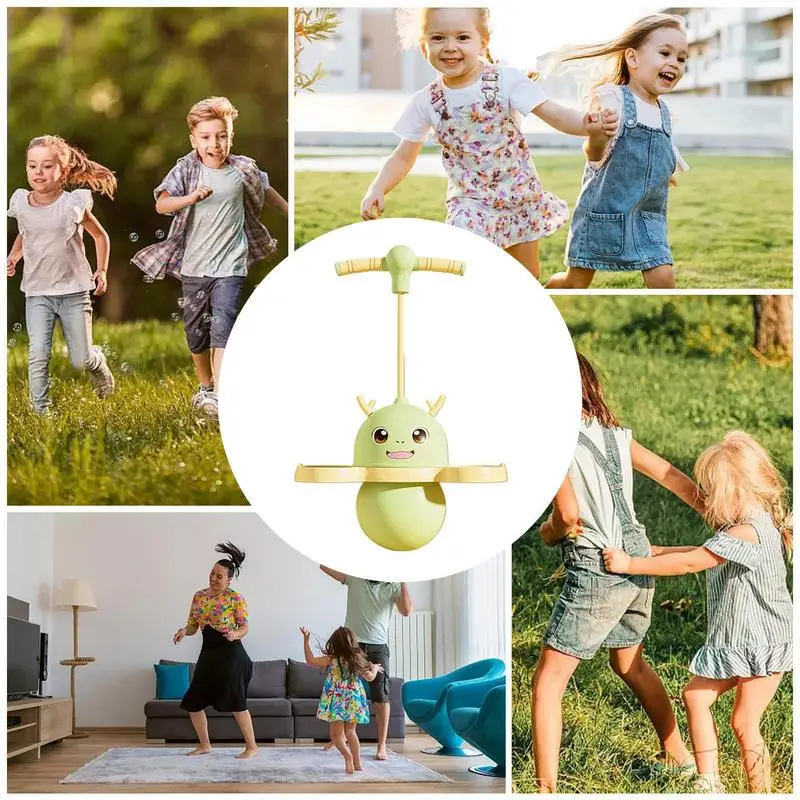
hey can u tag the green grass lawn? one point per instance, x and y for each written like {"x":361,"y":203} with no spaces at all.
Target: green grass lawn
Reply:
{"x":730,"y":220}
{"x":680,"y":374}
{"x":141,"y":446}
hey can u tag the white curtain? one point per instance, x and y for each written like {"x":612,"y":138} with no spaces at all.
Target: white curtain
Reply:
{"x":471,"y":614}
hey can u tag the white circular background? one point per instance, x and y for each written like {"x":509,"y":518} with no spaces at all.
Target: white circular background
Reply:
{"x":308,"y":341}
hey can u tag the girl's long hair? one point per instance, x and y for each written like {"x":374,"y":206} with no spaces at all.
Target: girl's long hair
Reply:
{"x":614,"y":67}
{"x":737,"y":474}
{"x":343,"y":647}
{"x":77,"y":169}
{"x":593,"y":402}
{"x":234,"y":560}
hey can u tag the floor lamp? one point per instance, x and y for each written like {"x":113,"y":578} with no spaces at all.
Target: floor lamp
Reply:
{"x":75,"y":595}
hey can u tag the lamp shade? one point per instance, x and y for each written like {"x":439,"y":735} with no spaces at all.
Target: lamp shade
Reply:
{"x":76,"y":593}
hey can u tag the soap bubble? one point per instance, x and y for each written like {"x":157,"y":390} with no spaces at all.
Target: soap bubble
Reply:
{"x":160,"y":234}
{"x":134,"y":237}
{"x":12,"y":342}
{"x":17,"y":326}
{"x":181,"y":302}
{"x":125,"y":366}
{"x":206,"y":317}
{"x":148,"y":279}
{"x":201,"y":294}
{"x":175,"y":316}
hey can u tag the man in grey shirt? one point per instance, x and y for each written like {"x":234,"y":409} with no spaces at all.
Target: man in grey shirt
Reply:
{"x":369,"y":609}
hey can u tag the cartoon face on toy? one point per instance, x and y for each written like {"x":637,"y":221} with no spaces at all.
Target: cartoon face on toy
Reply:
{"x":400,"y":435}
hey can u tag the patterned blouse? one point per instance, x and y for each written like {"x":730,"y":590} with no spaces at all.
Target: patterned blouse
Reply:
{"x":223,"y":612}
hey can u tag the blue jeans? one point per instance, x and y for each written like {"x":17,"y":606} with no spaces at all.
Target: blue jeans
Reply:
{"x":74,"y":311}
{"x":597,"y":608}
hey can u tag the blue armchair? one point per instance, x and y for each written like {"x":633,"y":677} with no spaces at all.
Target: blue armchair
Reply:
{"x":477,"y":713}
{"x":425,"y":702}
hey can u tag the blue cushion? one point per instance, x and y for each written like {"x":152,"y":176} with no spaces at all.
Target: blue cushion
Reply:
{"x":172,"y":681}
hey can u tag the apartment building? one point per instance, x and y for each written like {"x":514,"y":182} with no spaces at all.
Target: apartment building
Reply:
{"x":365,"y":54}
{"x":738,"y":52}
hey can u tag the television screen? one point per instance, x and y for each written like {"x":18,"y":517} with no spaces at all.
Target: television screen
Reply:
{"x":23,"y":656}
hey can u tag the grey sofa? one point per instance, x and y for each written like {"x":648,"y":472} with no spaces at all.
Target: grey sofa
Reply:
{"x":282,"y":699}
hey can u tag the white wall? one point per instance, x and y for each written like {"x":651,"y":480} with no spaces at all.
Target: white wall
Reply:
{"x":30,"y":551}
{"x":144,"y":569}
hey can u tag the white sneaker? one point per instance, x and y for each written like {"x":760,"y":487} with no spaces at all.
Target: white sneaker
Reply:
{"x":205,"y":400}
{"x":708,"y":784}
{"x":101,"y":377}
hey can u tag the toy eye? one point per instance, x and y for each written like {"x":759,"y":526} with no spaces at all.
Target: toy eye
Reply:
{"x":419,"y":435}
{"x":380,"y":435}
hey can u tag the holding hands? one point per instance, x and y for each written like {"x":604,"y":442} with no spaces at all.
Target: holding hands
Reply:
{"x":601,"y":123}
{"x":616,"y":561}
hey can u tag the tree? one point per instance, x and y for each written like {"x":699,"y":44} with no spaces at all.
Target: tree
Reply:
{"x":773,"y":325}
{"x":311,"y":25}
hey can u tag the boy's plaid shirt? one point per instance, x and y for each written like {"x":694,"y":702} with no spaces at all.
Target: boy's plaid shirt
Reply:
{"x":165,"y":258}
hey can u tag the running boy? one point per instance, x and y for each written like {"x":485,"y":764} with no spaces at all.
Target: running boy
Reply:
{"x":216,"y":235}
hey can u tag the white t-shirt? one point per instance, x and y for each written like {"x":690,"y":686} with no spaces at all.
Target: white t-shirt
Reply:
{"x":601,"y":527}
{"x":55,"y":260}
{"x":515,"y":91}
{"x":609,"y":96}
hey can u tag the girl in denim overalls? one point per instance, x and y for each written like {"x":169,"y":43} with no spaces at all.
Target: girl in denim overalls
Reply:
{"x":594,"y":506}
{"x":475,"y":108}
{"x":749,"y":609}
{"x":620,"y":219}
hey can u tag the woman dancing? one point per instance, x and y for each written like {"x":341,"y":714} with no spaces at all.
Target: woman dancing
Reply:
{"x":223,"y":668}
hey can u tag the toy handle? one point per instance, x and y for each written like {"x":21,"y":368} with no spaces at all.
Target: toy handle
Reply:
{"x":354,"y":265}
{"x":441,"y":265}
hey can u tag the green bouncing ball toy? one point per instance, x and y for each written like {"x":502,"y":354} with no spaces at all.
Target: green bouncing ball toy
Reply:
{"x":401,"y":455}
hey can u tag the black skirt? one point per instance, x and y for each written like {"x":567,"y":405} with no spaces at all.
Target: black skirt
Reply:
{"x":221,"y":676}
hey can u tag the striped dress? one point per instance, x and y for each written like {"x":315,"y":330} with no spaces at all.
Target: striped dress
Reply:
{"x":749,"y":606}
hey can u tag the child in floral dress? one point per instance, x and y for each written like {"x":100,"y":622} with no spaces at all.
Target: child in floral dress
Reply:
{"x":343,"y":702}
{"x":475,"y":109}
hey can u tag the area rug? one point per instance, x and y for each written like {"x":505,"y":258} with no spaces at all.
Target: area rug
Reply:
{"x":269,"y":765}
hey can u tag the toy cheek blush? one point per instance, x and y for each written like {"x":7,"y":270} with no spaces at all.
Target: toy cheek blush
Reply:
{"x":400,"y":455}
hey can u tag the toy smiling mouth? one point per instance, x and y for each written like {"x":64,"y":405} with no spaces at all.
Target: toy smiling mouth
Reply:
{"x":400,"y":453}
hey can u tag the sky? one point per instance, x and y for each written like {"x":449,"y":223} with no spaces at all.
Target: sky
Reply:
{"x":520,"y":32}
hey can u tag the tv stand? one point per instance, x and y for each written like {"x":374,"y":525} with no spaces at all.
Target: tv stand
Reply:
{"x":42,"y":721}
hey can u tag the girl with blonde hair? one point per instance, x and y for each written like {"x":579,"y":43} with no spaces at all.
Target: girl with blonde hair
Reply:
{"x":749,"y":641}
{"x":58,"y":279}
{"x":620,"y":218}
{"x":475,"y":108}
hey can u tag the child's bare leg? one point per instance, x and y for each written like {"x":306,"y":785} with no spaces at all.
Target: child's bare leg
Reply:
{"x":527,"y":253}
{"x":328,"y":746}
{"x":353,"y":743}
{"x":753,"y":695}
{"x":662,"y":277}
{"x":642,"y":680}
{"x":202,"y":366}
{"x":340,"y":743}
{"x":573,"y":278}
{"x":548,"y":684}
{"x":216,"y":363}
{"x":698,"y":697}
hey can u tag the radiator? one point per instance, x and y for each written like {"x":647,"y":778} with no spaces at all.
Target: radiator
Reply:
{"x":411,"y":645}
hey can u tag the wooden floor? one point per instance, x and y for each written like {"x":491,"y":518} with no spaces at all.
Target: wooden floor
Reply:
{"x":59,"y":760}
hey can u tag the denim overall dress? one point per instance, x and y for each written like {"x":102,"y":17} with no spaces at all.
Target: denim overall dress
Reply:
{"x":493,"y":189}
{"x":597,"y":608}
{"x":620,"y":217}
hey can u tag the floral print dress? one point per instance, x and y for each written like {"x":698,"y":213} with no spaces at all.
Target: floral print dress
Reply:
{"x":493,"y":188}
{"x":343,"y":698}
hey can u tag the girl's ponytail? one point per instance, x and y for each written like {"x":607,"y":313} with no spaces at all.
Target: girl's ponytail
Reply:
{"x":78,"y":169}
